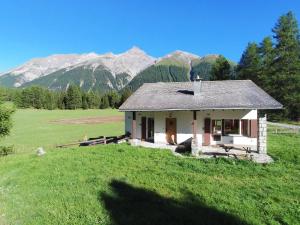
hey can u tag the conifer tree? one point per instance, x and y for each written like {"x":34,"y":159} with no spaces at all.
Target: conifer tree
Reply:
{"x":286,"y":75}
{"x":114,"y":99}
{"x":221,"y":69}
{"x":84,"y":101}
{"x":104,"y":102}
{"x":125,"y":94}
{"x":250,"y":65}
{"x":267,"y":58}
{"x":93,"y":100}
{"x":73,"y":97}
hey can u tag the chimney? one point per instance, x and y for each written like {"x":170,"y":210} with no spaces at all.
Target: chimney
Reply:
{"x":197,"y":85}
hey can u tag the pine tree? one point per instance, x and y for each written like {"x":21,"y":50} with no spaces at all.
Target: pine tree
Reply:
{"x":61,"y":100}
{"x":104,"y":102}
{"x":114,"y":99}
{"x":267,"y":58}
{"x":250,"y":64}
{"x":221,"y":69}
{"x":93,"y":100}
{"x":49,"y":100}
{"x":73,"y":97}
{"x":286,"y":76}
{"x":84,"y":101}
{"x":125,"y":94}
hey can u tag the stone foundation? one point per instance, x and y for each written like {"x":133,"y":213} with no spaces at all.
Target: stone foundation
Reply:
{"x":262,"y":135}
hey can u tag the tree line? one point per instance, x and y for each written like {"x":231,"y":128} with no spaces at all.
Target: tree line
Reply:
{"x":73,"y":98}
{"x":273,"y":64}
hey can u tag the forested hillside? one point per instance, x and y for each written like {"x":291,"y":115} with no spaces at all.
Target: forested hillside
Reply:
{"x":97,"y":79}
{"x":172,"y":70}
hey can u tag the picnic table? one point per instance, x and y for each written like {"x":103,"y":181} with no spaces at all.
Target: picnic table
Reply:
{"x":228,"y":147}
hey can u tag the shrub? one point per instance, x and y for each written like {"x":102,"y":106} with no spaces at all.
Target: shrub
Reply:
{"x":5,"y":150}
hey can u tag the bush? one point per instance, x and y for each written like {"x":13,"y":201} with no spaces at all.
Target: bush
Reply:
{"x":5,"y":150}
{"x":5,"y":120}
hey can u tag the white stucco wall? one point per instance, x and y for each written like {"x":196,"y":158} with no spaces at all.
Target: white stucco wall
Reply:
{"x":128,"y":120}
{"x":184,"y":124}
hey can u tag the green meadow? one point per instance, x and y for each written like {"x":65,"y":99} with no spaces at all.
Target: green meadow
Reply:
{"x":120,"y":184}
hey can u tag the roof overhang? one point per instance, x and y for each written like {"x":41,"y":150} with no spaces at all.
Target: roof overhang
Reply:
{"x":200,"y":109}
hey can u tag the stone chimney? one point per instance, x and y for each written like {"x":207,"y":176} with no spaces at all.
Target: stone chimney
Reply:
{"x":197,"y":85}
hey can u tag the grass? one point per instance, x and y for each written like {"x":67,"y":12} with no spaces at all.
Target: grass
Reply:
{"x":33,"y":128}
{"x":119,"y":184}
{"x":291,"y":122}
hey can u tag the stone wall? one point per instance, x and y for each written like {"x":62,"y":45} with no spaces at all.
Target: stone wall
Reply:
{"x":262,"y":135}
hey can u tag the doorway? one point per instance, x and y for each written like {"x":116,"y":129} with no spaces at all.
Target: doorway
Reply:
{"x":150,"y":130}
{"x":171,"y":133}
{"x":143,"y":136}
{"x":207,"y":132}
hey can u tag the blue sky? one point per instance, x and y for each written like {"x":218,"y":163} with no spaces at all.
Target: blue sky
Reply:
{"x":34,"y":28}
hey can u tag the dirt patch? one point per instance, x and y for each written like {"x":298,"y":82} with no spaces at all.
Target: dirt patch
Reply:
{"x":90,"y":120}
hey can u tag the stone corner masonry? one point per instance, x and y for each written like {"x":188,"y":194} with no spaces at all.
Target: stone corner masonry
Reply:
{"x":262,"y":135}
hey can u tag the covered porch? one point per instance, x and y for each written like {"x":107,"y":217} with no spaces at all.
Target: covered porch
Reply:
{"x":239,"y":128}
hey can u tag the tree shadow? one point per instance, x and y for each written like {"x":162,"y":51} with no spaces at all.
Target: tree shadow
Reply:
{"x":128,"y":205}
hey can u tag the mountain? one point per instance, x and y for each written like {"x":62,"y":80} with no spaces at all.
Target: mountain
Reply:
{"x":104,"y":73}
{"x":108,"y":71}
{"x":178,"y":66}
{"x":40,"y":67}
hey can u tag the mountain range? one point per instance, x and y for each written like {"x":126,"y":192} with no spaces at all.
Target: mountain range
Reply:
{"x":108,"y":71}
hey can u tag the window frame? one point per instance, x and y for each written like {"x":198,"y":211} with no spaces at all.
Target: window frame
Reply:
{"x":233,"y":122}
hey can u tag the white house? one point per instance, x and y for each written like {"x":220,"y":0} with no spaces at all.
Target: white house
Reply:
{"x":209,"y":112}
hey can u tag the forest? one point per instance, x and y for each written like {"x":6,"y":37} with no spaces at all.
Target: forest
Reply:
{"x":73,"y":98}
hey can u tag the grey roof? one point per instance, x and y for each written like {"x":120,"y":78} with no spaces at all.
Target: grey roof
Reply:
{"x":230,"y":94}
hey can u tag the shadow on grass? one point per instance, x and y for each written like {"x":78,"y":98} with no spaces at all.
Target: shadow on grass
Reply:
{"x":129,"y":205}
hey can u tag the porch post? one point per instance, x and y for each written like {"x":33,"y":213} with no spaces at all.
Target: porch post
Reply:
{"x":195,"y":126}
{"x":133,"y":126}
{"x":262,"y":135}
{"x":194,"y":144}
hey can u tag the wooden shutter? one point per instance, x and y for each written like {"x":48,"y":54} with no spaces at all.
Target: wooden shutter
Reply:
{"x":143,"y":136}
{"x":253,"y":128}
{"x":243,"y":127}
{"x":223,"y":126}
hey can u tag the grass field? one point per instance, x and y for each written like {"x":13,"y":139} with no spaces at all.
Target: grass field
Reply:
{"x":35,"y":128}
{"x":119,"y":184}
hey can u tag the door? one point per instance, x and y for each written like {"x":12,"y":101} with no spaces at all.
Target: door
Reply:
{"x":171,"y":133}
{"x":143,"y":136}
{"x":207,"y":131}
{"x":150,"y":128}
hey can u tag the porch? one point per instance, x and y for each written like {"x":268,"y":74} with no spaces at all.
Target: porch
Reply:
{"x":208,"y":152}
{"x":205,"y":128}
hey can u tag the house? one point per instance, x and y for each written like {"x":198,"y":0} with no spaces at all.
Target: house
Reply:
{"x":208,"y":112}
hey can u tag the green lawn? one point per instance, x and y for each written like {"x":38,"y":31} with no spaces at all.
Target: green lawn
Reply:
{"x":119,"y":184}
{"x":33,"y":128}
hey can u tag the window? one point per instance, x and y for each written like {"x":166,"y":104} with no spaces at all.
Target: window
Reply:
{"x":231,"y":127}
{"x":216,"y":127}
